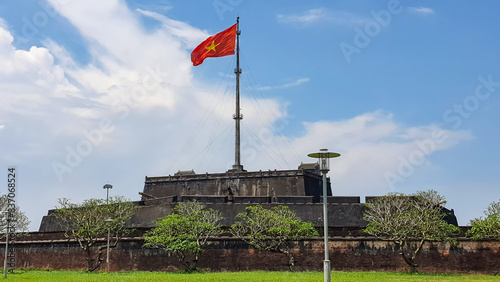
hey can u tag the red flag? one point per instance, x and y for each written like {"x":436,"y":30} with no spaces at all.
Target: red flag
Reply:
{"x":219,"y":45}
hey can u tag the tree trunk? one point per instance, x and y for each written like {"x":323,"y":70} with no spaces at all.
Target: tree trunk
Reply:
{"x":410,"y":262}
{"x":93,"y":264}
{"x":195,"y":261}
{"x":186,"y":260}
{"x":90,"y":261}
{"x":291,"y":259}
{"x":409,"y":256}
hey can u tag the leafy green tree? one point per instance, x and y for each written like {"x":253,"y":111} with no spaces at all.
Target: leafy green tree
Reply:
{"x":409,"y":221}
{"x":276,"y":229}
{"x":185,"y":232}
{"x":489,"y":227}
{"x":90,"y":221}
{"x":21,"y":220}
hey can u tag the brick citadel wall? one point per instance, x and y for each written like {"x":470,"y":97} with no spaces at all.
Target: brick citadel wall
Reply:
{"x":51,"y":250}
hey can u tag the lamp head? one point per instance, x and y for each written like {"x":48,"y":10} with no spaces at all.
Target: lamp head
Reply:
{"x":324,"y":159}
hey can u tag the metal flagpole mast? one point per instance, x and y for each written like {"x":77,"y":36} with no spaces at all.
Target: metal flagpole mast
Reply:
{"x":237,"y":117}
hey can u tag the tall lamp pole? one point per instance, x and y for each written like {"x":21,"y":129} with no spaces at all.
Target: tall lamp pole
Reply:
{"x":324,"y":166}
{"x":107,"y":187}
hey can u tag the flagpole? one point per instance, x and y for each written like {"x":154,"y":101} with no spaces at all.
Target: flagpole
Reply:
{"x":237,"y":117}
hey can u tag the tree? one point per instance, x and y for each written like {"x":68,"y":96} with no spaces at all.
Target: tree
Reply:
{"x":185,"y":232}
{"x":87,"y":223}
{"x":489,"y":227}
{"x":276,"y":229}
{"x":21,"y":220}
{"x":409,"y":221}
{"x":493,"y":208}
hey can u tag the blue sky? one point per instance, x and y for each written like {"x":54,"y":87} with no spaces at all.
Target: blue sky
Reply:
{"x":104,"y":91}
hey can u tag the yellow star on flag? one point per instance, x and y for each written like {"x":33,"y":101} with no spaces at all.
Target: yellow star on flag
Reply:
{"x":212,"y":47}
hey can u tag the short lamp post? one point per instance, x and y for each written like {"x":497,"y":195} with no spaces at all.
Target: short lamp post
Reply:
{"x":107,"y":187}
{"x":6,"y":213}
{"x":109,"y":220}
{"x":324,"y":166}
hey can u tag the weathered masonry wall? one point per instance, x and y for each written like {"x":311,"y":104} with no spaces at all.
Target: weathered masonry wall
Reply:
{"x":258,"y":183}
{"x":348,"y":215}
{"x":339,"y":214}
{"x":51,"y":250}
{"x":342,"y":212}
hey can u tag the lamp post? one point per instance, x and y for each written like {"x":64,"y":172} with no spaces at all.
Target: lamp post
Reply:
{"x":6,"y":244}
{"x":109,"y":220}
{"x":107,"y":187}
{"x":324,"y":166}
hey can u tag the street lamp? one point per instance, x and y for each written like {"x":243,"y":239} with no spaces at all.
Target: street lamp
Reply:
{"x":107,"y":187}
{"x":324,"y":166}
{"x":109,"y":220}
{"x":6,"y":244}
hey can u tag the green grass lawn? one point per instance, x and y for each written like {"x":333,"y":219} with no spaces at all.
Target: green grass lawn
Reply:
{"x":47,"y":275}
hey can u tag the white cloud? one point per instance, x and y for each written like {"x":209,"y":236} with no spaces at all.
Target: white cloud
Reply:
{"x":3,"y":23}
{"x":321,"y":15}
{"x":29,"y":78}
{"x":189,"y":35}
{"x":286,"y":85}
{"x":421,"y":10}
{"x":371,"y":145}
{"x":121,"y":48}
{"x":160,"y":6}
{"x":310,"y":16}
